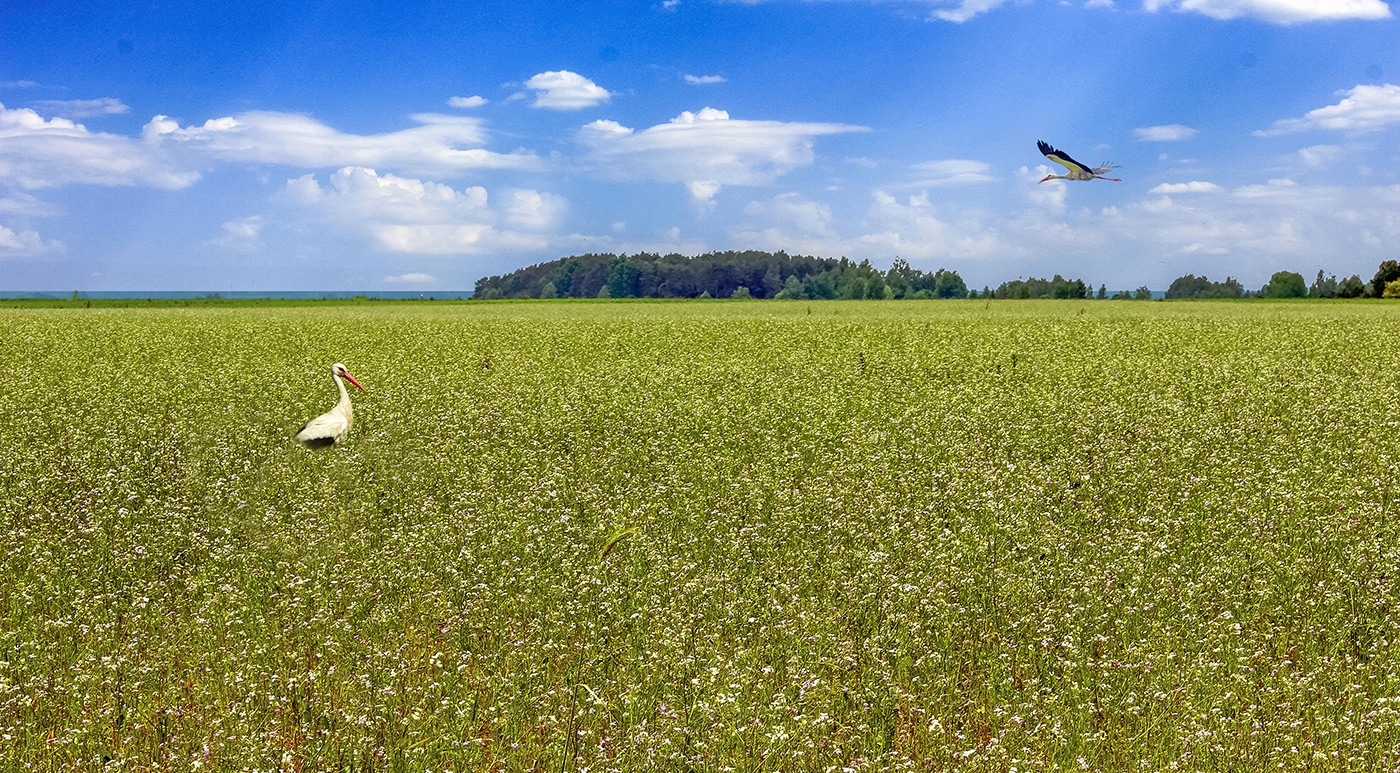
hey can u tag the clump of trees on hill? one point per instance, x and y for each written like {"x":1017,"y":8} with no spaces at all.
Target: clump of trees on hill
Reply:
{"x":1192,"y":286}
{"x":749,"y":274}
{"x":1059,"y":287}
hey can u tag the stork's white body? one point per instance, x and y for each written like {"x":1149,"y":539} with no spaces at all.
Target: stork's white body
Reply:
{"x":331,"y":427}
{"x":1077,"y":171}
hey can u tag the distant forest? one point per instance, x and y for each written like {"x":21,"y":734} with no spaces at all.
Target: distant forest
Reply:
{"x":756,"y":274}
{"x":749,"y":274}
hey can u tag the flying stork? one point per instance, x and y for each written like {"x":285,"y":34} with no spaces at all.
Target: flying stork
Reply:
{"x":1077,"y":171}
{"x":330,"y":427}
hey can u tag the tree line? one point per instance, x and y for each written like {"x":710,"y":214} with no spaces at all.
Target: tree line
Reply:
{"x":758,"y":274}
{"x":1290,"y":284}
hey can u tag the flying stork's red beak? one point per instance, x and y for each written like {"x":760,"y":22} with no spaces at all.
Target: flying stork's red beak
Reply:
{"x":1046,"y":177}
{"x":352,"y":380}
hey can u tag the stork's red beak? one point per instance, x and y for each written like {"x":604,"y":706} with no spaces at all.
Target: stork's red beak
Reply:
{"x":352,"y":380}
{"x":1047,"y":177}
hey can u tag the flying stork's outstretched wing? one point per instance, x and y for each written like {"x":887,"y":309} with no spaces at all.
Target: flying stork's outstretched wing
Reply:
{"x":1062,"y":159}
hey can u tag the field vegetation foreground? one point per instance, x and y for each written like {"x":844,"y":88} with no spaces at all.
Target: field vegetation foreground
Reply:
{"x":766,"y":536}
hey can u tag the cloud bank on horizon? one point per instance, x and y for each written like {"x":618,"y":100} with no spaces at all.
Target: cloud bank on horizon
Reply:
{"x":919,"y":154}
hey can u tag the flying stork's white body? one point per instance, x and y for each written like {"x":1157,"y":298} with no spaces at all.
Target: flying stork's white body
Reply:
{"x":1077,"y":171}
{"x":331,"y":427}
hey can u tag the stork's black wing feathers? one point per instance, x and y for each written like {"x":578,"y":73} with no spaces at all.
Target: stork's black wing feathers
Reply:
{"x":1059,"y":156}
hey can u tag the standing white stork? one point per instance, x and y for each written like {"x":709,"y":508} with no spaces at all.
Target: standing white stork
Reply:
{"x":330,"y":427}
{"x":1077,"y":171}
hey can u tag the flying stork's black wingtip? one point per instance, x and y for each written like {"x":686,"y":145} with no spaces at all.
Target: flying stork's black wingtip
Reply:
{"x":1043,"y":147}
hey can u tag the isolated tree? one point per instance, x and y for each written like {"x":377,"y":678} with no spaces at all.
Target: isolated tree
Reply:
{"x":1285,"y":284}
{"x":1142,"y":294}
{"x":1103,"y":292}
{"x":1389,"y":271}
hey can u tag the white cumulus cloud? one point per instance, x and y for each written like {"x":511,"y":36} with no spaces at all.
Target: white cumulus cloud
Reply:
{"x":912,"y":228}
{"x":565,"y":90}
{"x":47,"y":153}
{"x":704,"y":149}
{"x":790,"y":222}
{"x":1363,"y":108}
{"x":1278,"y":11}
{"x":795,"y":214}
{"x":399,"y":214}
{"x":1169,"y":133}
{"x":531,"y":210}
{"x":703,"y":191}
{"x":24,"y":244}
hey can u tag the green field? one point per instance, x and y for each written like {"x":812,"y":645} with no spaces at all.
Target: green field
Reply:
{"x":1005,"y":536}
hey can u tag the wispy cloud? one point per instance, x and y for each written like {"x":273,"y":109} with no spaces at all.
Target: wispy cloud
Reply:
{"x":1278,"y":11}
{"x":1320,"y":155}
{"x":932,"y":174}
{"x":967,"y":9}
{"x":704,"y":80}
{"x":82,"y":108}
{"x":441,"y":145}
{"x":411,"y":278}
{"x":466,"y":102}
{"x":564,"y":90}
{"x":1194,"y":186}
{"x":243,"y":233}
{"x":1173,"y":132}
{"x":1364,"y":108}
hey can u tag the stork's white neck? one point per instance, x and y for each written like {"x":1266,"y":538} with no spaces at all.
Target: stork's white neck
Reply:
{"x":342,"y":407}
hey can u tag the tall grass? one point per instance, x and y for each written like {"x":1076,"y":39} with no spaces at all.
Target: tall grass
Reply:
{"x":765,"y":536}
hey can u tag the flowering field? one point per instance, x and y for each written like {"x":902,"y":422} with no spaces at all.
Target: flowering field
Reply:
{"x":766,"y":536}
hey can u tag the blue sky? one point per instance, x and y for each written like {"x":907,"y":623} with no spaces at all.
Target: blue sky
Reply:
{"x":419,"y":145}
